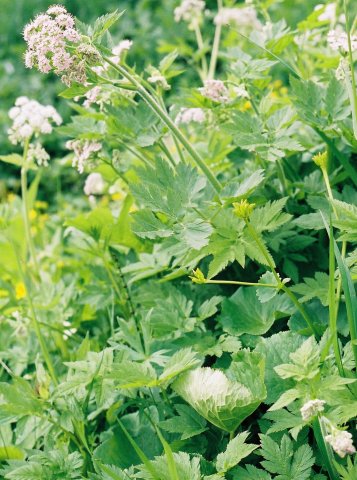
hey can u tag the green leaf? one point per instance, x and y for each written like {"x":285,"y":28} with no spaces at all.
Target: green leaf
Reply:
{"x":236,"y":450}
{"x":276,"y":350}
{"x":188,"y":423}
{"x":182,"y":360}
{"x":11,"y":452}
{"x":103,"y":23}
{"x":128,"y":374}
{"x":269,"y":217}
{"x":284,"y":461}
{"x":313,"y":287}
{"x":13,"y":159}
{"x":244,"y":313}
{"x":146,"y":225}
{"x":235,"y":190}
{"x":75,"y":90}
{"x":18,"y":399}
{"x":304,"y":362}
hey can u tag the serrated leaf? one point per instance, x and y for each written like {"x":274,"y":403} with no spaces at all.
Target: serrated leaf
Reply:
{"x":236,"y":450}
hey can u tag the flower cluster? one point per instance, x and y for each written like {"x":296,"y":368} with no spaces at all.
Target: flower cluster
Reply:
{"x":47,"y":37}
{"x":240,"y":17}
{"x":36,"y":153}
{"x":341,"y":442}
{"x":338,"y":40}
{"x":30,"y":118}
{"x":328,"y":12}
{"x":83,"y":149}
{"x":311,"y":408}
{"x":94,"y":184}
{"x":241,"y":91}
{"x":188,"y":115}
{"x":214,"y":90}
{"x":190,"y":11}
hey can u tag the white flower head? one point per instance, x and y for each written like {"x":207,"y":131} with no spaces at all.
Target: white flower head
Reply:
{"x":341,"y":442}
{"x":338,"y":41}
{"x":245,"y":17}
{"x":54,"y":44}
{"x":215,"y":90}
{"x":311,"y":408}
{"x":241,"y":91}
{"x":190,"y":11}
{"x":31,"y":118}
{"x":36,"y":153}
{"x":188,"y":115}
{"x":328,"y":13}
{"x":94,"y":184}
{"x":83,"y":150}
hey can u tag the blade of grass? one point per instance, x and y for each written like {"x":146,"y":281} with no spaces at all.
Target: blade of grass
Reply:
{"x":332,"y":304}
{"x":140,"y":453}
{"x":349,"y":291}
{"x":169,"y":455}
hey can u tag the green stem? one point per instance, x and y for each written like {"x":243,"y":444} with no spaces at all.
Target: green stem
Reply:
{"x":353,"y":79}
{"x":283,"y":287}
{"x":201,"y":47}
{"x":166,"y":151}
{"x":168,"y":122}
{"x":250,"y":284}
{"x":281,"y":175}
{"x":325,"y":450}
{"x":36,"y":324}
{"x":332,"y":306}
{"x":25,"y":210}
{"x":215,"y":48}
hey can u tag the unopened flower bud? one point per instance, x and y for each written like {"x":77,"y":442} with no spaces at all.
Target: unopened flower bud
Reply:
{"x":243,"y":209}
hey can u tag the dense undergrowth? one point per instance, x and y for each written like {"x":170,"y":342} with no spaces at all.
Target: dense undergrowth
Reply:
{"x":192,"y":314}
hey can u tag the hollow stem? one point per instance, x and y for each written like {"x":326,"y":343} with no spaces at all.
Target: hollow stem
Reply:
{"x":325,"y":450}
{"x":152,"y":103}
{"x":25,"y":210}
{"x":249,"y":284}
{"x":201,"y":47}
{"x":215,"y":47}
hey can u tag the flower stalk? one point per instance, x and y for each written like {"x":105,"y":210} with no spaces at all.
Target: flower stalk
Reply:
{"x":151,"y":102}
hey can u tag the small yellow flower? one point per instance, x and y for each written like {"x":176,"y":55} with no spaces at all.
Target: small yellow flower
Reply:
{"x":117,"y":196}
{"x":320,"y":159}
{"x":60,"y":264}
{"x":32,"y":214}
{"x":277,"y":84}
{"x":41,"y":205}
{"x":283,"y":91}
{"x":11,"y":197}
{"x":247,"y":105}
{"x":243,"y":209}
{"x":20,"y":291}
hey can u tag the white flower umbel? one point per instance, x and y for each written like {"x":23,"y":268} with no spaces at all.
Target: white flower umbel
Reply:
{"x":240,"y":17}
{"x":328,"y":12}
{"x":241,"y":91}
{"x":341,"y":442}
{"x":36,"y":153}
{"x":311,"y":408}
{"x":94,"y":184}
{"x":30,"y":118}
{"x":338,"y":41}
{"x":190,"y":11}
{"x":188,"y":115}
{"x":83,"y":150}
{"x":214,"y":90}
